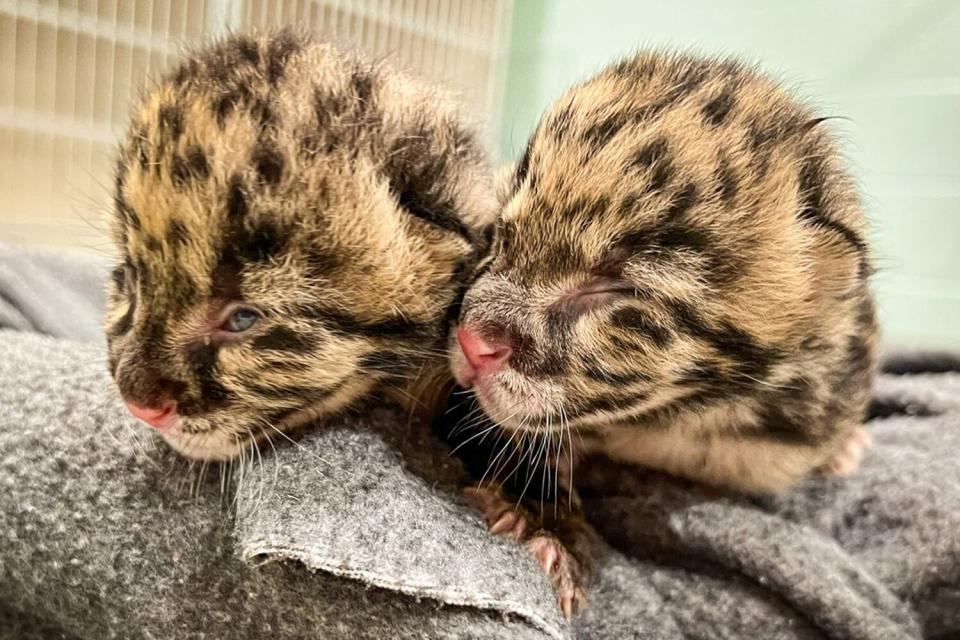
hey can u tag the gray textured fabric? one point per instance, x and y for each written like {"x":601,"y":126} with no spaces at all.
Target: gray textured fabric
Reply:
{"x":353,"y":531}
{"x":106,"y":534}
{"x":377,"y":503}
{"x":59,"y":294}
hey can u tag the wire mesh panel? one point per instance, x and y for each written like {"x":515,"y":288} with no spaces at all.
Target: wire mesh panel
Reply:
{"x":69,"y":70}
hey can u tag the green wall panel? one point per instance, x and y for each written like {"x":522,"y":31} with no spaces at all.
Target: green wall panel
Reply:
{"x":891,"y":69}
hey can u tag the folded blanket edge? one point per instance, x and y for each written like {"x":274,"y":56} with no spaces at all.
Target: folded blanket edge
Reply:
{"x":266,"y":551}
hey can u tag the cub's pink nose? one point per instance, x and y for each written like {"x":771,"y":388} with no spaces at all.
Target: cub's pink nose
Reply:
{"x":157,"y":417}
{"x":484,"y":356}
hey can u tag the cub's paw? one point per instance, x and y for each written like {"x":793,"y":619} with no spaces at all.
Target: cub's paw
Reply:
{"x":504,"y":518}
{"x":847,"y":459}
{"x":562,"y":569}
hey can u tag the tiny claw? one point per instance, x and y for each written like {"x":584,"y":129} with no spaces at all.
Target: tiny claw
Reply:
{"x":571,"y":602}
{"x":502,"y":517}
{"x":544,"y":549}
{"x":519,"y":529}
{"x":548,"y":557}
{"x":505,"y":524}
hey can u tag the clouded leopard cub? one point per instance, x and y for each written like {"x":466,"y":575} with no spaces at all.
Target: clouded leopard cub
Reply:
{"x":678,"y":278}
{"x":295,"y":228}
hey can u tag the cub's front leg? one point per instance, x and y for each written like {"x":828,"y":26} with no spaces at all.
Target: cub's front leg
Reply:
{"x":555,"y":532}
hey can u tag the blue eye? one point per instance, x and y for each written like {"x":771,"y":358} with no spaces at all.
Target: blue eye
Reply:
{"x":241,"y":320}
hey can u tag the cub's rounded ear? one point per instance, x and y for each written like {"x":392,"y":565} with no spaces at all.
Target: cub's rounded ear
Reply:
{"x":504,"y":182}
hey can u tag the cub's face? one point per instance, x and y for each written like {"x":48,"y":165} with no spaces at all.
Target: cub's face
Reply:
{"x":575,"y":323}
{"x":584,"y":318}
{"x":274,"y":273}
{"x":650,"y":258}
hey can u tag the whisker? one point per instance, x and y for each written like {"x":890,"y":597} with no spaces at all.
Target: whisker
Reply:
{"x":474,"y":437}
{"x":494,"y":461}
{"x":566,"y":426}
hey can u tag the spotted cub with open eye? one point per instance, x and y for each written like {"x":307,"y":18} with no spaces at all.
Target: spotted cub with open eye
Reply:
{"x":295,"y":229}
{"x":679,"y":279}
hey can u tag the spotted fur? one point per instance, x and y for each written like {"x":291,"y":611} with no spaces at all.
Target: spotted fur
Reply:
{"x":681,"y":271}
{"x":344,"y":202}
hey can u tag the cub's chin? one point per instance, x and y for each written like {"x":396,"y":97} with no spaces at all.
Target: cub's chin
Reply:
{"x":216,"y":440}
{"x":512,"y":403}
{"x":214,"y":446}
{"x":202,"y":439}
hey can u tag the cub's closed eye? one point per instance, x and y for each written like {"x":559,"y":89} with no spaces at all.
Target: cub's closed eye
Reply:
{"x":240,"y":320}
{"x":594,"y":295}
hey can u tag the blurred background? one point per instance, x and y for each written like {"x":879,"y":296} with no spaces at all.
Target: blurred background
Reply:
{"x":890,"y":68}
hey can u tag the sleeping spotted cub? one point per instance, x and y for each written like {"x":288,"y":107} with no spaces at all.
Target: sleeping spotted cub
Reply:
{"x":679,"y":279}
{"x":295,"y":228}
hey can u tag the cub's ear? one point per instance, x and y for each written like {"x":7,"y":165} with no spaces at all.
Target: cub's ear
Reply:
{"x":504,"y":182}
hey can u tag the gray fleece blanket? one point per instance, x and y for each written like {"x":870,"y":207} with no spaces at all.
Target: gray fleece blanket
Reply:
{"x":352,"y":530}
